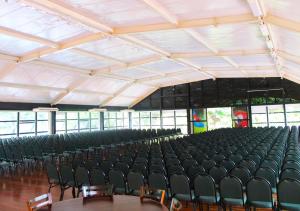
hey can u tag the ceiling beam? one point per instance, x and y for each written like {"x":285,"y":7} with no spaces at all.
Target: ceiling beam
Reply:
{"x":116,"y":94}
{"x":96,"y":56}
{"x":9,"y":58}
{"x":289,"y":57}
{"x":28,"y":37}
{"x":282,"y":22}
{"x":220,"y":53}
{"x":160,"y":9}
{"x":143,"y":97}
{"x":31,"y":87}
{"x":64,"y":10}
{"x":185,"y":24}
{"x":70,"y":43}
{"x":259,"y":11}
{"x":198,"y":37}
{"x":7,"y":69}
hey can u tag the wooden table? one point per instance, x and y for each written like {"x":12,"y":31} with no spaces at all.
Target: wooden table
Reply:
{"x":119,"y":203}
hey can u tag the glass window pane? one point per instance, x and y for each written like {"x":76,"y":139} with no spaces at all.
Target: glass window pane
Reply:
{"x":259,"y":118}
{"x":155,"y":121}
{"x":112,"y":114}
{"x":112,"y":123}
{"x":120,"y":123}
{"x":167,"y":113}
{"x":155,"y":114}
{"x":275,"y":108}
{"x":276,"y":117}
{"x":72,"y":115}
{"x":135,"y":122}
{"x":27,"y":127}
{"x":181,"y":120}
{"x":95,"y":124}
{"x":169,"y":121}
{"x":42,"y":126}
{"x":144,"y":114}
{"x":180,"y":113}
{"x":145,"y":121}
{"x":60,"y":115}
{"x":293,"y":117}
{"x":8,"y":116}
{"x":292,"y":107}
{"x":60,"y":125}
{"x":258,"y":109}
{"x":8,"y":128}
{"x":95,"y":115}
{"x":84,"y":115}
{"x":120,"y":114}
{"x":27,"y":115}
{"x":135,"y":114}
{"x":42,"y":115}
{"x":84,"y":124}
{"x":72,"y":125}
{"x":219,"y":118}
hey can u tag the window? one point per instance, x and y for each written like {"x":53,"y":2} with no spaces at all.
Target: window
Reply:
{"x":135,"y":120}
{"x":42,"y":123}
{"x":61,"y":119}
{"x":72,"y":122}
{"x":145,"y":121}
{"x":292,"y":114}
{"x":116,"y":120}
{"x":259,"y":116}
{"x":199,"y":120}
{"x":275,"y":115}
{"x":219,"y":118}
{"x":27,"y":123}
{"x":84,"y":121}
{"x":181,"y":120}
{"x":95,"y":121}
{"x":168,"y":119}
{"x":240,"y":117}
{"x":155,"y":120}
{"x":8,"y":124}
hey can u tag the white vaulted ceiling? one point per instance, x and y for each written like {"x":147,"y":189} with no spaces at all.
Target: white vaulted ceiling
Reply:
{"x":117,"y":52}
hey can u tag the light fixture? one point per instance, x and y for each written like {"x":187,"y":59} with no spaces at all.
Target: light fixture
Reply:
{"x":270,"y":44}
{"x":127,"y":110}
{"x":256,"y":8}
{"x":98,"y":110}
{"x":264,"y":29}
{"x":44,"y":109}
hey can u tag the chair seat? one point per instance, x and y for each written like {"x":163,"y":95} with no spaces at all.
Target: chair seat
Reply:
{"x":209,"y":199}
{"x":290,"y":206}
{"x":234,"y":201}
{"x":184,"y":197}
{"x":261,"y":204}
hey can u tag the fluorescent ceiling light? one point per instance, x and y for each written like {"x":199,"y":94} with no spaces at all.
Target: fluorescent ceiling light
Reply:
{"x":44,"y":109}
{"x":270,"y":44}
{"x":127,"y":110}
{"x":98,"y":110}
{"x":256,"y":8}
{"x":264,"y":29}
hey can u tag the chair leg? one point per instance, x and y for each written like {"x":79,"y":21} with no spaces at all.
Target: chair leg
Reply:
{"x":194,"y":208}
{"x":50,"y":186}
{"x":208,"y":207}
{"x":62,"y":190}
{"x":73,"y":192}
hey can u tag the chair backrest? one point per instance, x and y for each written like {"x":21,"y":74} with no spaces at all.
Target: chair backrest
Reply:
{"x":52,"y":173}
{"x":259,"y":189}
{"x":67,"y":175}
{"x":289,"y":192}
{"x":242,"y":173}
{"x":82,"y":176}
{"x":231,"y":187}
{"x":218,"y":173}
{"x":204,"y":185}
{"x":290,"y":173}
{"x":228,"y":164}
{"x":179,"y":184}
{"x":117,"y":179}
{"x":157,"y":181}
{"x":44,"y":200}
{"x":98,"y":190}
{"x":267,"y":174}
{"x":97,"y":177}
{"x":175,"y":205}
{"x":135,"y":180}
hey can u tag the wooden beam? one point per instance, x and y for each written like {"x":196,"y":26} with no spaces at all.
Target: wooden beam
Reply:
{"x":31,"y":87}
{"x":220,"y":53}
{"x":282,"y":22}
{"x":116,"y":94}
{"x":7,"y":69}
{"x":159,"y":8}
{"x":289,"y":57}
{"x":185,"y":24}
{"x":143,"y":97}
{"x":70,"y":43}
{"x":198,"y":37}
{"x":28,"y":37}
{"x":71,"y":88}
{"x":9,"y":58}
{"x":96,"y":56}
{"x":65,"y":10}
